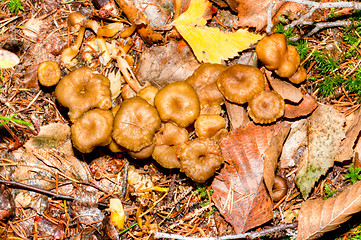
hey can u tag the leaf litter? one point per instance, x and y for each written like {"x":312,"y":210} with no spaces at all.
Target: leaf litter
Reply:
{"x":157,"y":199}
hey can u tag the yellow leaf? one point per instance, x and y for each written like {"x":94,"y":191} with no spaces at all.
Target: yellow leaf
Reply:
{"x":117,"y":216}
{"x":212,"y":45}
{"x":194,"y":15}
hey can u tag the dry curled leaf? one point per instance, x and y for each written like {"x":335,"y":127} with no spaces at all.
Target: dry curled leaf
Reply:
{"x":303,"y":108}
{"x":240,"y":192}
{"x":320,"y":216}
{"x":325,"y":132}
{"x":210,"y":44}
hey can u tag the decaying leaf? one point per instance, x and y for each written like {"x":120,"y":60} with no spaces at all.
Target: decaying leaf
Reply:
{"x":296,"y":138}
{"x":320,"y":216}
{"x":210,"y":44}
{"x":162,"y":65}
{"x":303,"y":108}
{"x":240,"y":193}
{"x":325,"y":132}
{"x":8,"y":59}
{"x":347,"y":145}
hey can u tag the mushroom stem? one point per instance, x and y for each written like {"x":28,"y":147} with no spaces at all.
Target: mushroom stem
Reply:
{"x":104,"y":50}
{"x":128,"y":73}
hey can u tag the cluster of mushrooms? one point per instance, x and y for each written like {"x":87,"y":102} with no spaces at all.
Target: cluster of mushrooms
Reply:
{"x":157,"y":123}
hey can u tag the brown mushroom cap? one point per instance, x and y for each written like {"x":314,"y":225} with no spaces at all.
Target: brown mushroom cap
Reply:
{"x":178,"y":102}
{"x":93,"y":128}
{"x":135,"y":124}
{"x":167,"y":141}
{"x":76,"y":20}
{"x":204,"y":82}
{"x":81,"y":90}
{"x":148,"y":93}
{"x":290,"y":63}
{"x":49,"y":73}
{"x":299,"y":76}
{"x":271,"y":50}
{"x":240,"y":83}
{"x":266,"y":108}
{"x":208,"y":125}
{"x":143,"y":153}
{"x":200,"y":158}
{"x":279,"y":189}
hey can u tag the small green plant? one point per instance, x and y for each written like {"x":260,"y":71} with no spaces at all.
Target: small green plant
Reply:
{"x":12,"y":119}
{"x":204,"y":194}
{"x":14,"y":6}
{"x":302,"y":48}
{"x":289,"y":33}
{"x":353,"y":175}
{"x":328,"y":191}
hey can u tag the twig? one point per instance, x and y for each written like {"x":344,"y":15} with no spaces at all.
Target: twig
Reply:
{"x":313,"y":7}
{"x":250,"y":235}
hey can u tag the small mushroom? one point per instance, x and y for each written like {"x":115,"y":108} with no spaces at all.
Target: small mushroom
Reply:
{"x":178,"y":102}
{"x":82,"y":90}
{"x":266,"y":107}
{"x":200,"y":158}
{"x":143,"y":153}
{"x":279,"y":189}
{"x":204,"y":82}
{"x":49,"y":73}
{"x":240,"y":83}
{"x":93,"y":128}
{"x":113,"y":145}
{"x":148,"y":93}
{"x":276,"y":55}
{"x":209,"y":125}
{"x":299,"y":76}
{"x":167,"y":141}
{"x":135,"y":124}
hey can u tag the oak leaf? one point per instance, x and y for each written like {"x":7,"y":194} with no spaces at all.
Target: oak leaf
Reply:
{"x":320,"y":216}
{"x":210,"y":44}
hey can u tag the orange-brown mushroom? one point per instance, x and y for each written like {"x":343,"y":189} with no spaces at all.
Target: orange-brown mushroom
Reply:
{"x":167,"y":140}
{"x":178,"y":102}
{"x":204,"y":82}
{"x":266,"y":107}
{"x":143,"y":153}
{"x":148,"y":93}
{"x":93,"y":128}
{"x":279,"y":189}
{"x":200,"y":158}
{"x":49,"y":73}
{"x":135,"y":124}
{"x":209,"y":125}
{"x":82,"y":90}
{"x":276,"y":55}
{"x":299,"y":76}
{"x":240,"y":83}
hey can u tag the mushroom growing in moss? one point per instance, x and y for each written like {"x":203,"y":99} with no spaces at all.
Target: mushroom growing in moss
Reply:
{"x":240,"y":83}
{"x":167,"y":141}
{"x":93,"y":128}
{"x":200,"y":158}
{"x":135,"y":124}
{"x":82,"y":90}
{"x":266,"y":108}
{"x":178,"y":102}
{"x":49,"y":73}
{"x":204,"y":82}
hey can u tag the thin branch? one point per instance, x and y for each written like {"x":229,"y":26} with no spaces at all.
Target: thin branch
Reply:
{"x":250,"y":235}
{"x":269,"y":17}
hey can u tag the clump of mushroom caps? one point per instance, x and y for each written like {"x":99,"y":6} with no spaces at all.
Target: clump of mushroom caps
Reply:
{"x":160,"y":123}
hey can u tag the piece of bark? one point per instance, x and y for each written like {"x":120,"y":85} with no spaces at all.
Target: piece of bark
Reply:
{"x":304,"y":108}
{"x":237,"y":115}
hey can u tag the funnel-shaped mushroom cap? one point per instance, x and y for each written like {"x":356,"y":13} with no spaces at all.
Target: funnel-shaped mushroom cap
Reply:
{"x":135,"y":124}
{"x":271,"y":50}
{"x":291,"y":61}
{"x":49,"y":73}
{"x":81,"y":90}
{"x":204,"y":81}
{"x":167,"y":141}
{"x":93,"y":128}
{"x":208,"y":125}
{"x":200,"y":158}
{"x":177,"y":102}
{"x":240,"y":83}
{"x":266,"y":108}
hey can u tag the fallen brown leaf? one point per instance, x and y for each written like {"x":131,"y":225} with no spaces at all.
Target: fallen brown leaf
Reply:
{"x":320,"y":216}
{"x":240,"y":193}
{"x":305,"y":107}
{"x":162,"y":65}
